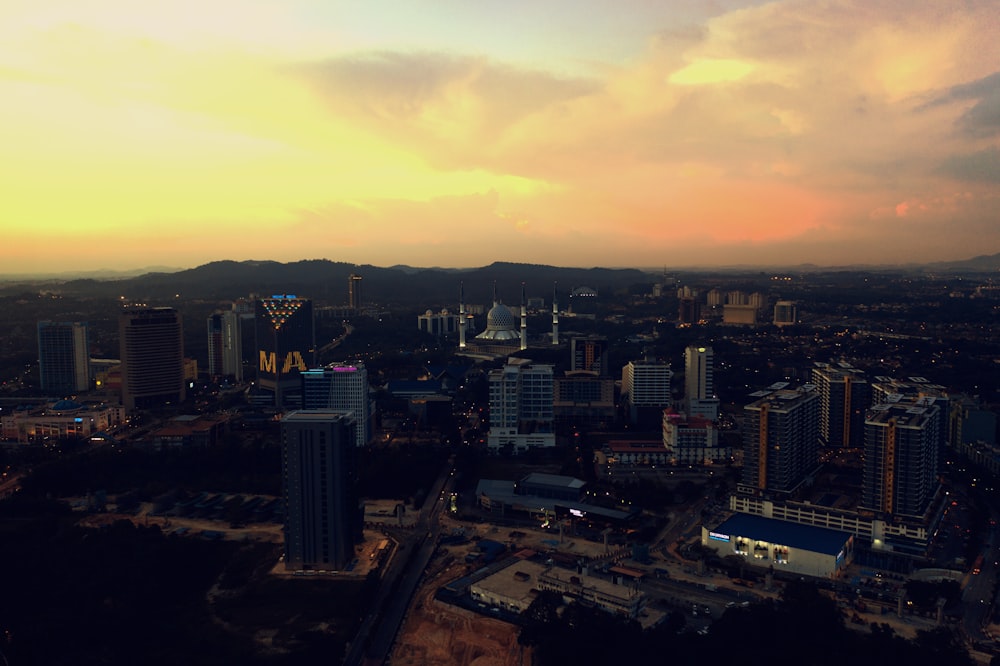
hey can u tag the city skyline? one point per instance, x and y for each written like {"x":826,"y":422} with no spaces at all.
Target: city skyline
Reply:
{"x":449,"y":134}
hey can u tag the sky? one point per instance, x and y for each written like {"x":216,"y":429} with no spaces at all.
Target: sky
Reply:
{"x":643,"y":133}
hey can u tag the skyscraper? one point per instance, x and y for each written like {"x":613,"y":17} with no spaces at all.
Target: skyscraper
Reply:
{"x":785,"y":313}
{"x":342,"y":387}
{"x":152,"y":356}
{"x":899,"y":476}
{"x":354,"y":300}
{"x":699,"y":383}
{"x":286,"y":346}
{"x":589,"y":353}
{"x":225,"y":343}
{"x":521,"y":407}
{"x":322,"y":519}
{"x":845,"y":396}
{"x":63,"y":357}
{"x":780,"y":438}
{"x":646,"y":391}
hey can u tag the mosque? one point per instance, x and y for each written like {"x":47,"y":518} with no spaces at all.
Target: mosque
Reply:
{"x":505,"y":331}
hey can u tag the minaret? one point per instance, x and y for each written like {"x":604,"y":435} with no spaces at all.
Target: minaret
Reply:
{"x":461,"y":315}
{"x":555,"y":314}
{"x":524,"y":319}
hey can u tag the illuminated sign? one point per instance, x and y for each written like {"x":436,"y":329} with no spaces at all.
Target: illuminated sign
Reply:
{"x":718,"y":537}
{"x":576,"y":512}
{"x":293,"y":359}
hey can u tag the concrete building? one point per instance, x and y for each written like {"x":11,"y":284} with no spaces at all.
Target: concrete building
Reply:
{"x":341,"y":387}
{"x":788,"y":547}
{"x":785,"y":313}
{"x":521,"y":407}
{"x":438,"y":323}
{"x":845,"y":396}
{"x":623,"y":600}
{"x":902,"y":446}
{"x":699,"y":383}
{"x":355,"y":299}
{"x":152,"y":356}
{"x":63,"y":357}
{"x":739,"y":315}
{"x":692,"y":440}
{"x":780,"y":439}
{"x":323,"y":516}
{"x":589,"y":353}
{"x":584,"y":399}
{"x":63,"y":419}
{"x":225,"y":345}
{"x":646,"y":390}
{"x":286,"y":347}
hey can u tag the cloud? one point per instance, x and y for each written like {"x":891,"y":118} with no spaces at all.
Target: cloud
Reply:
{"x":982,"y":166}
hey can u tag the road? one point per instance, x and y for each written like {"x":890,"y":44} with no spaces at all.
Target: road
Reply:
{"x":378,"y":630}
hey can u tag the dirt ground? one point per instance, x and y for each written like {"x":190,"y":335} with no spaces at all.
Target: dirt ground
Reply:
{"x":438,"y":634}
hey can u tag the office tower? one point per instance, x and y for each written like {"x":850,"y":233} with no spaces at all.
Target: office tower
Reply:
{"x":646,"y":391}
{"x":342,"y":387}
{"x":322,"y":519}
{"x":589,"y":353}
{"x":63,"y":357}
{"x":899,"y":476}
{"x":286,"y":344}
{"x":225,"y":343}
{"x":699,"y":383}
{"x":584,"y":399}
{"x":152,"y":357}
{"x":845,"y":396}
{"x":687,"y":310}
{"x":521,"y":407}
{"x":354,"y":291}
{"x":780,"y":438}
{"x":785,"y":313}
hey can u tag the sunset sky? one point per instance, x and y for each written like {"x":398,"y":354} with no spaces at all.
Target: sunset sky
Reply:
{"x":457,"y":133}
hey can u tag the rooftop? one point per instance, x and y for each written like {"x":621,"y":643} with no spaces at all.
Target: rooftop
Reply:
{"x":795,"y":535}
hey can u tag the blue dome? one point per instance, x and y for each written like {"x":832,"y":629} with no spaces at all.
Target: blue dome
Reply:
{"x":66,"y":406}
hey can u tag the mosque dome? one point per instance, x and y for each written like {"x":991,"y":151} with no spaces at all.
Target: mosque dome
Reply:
{"x":501,"y":324}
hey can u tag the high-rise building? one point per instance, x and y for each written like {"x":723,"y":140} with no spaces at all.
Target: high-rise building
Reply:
{"x":892,"y":390}
{"x":342,"y":387}
{"x":845,"y":396}
{"x":780,"y":438}
{"x":699,"y":383}
{"x":899,"y":476}
{"x":215,"y":326}
{"x":152,"y":357}
{"x":354,"y":293}
{"x":322,"y":516}
{"x":63,"y":357}
{"x":589,"y":353}
{"x":225,"y":344}
{"x":521,"y":407}
{"x":687,"y":310}
{"x":286,"y":346}
{"x":646,"y":391}
{"x":785,"y":313}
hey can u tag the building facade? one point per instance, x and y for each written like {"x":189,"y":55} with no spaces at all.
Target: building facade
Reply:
{"x":902,"y":442}
{"x":521,"y":407}
{"x":780,"y":439}
{"x":692,"y":440}
{"x":152,"y":357}
{"x":343,"y":387}
{"x":63,"y":357}
{"x":845,"y":397}
{"x":646,"y":390}
{"x":589,"y":353}
{"x":699,"y":382}
{"x":323,"y":518}
{"x":286,"y":347}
